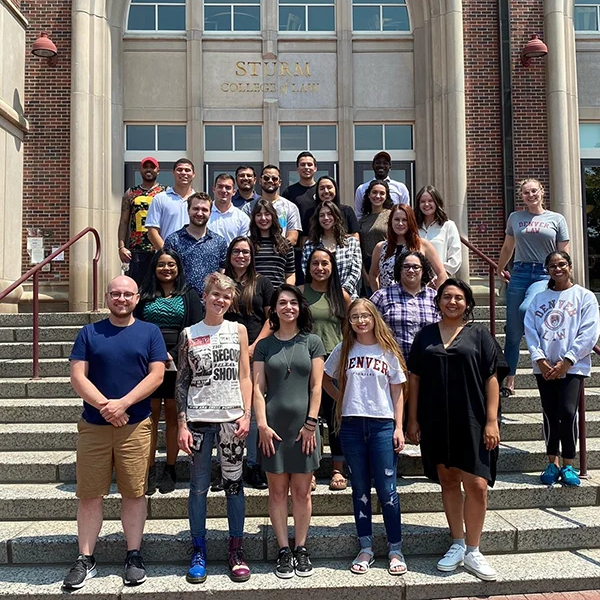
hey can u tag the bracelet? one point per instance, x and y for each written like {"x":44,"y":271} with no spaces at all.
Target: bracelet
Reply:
{"x":308,"y":428}
{"x":248,"y":413}
{"x":312,"y":419}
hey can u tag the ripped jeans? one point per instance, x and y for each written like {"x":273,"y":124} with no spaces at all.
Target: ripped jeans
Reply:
{"x":232,"y":456}
{"x":369,"y":452}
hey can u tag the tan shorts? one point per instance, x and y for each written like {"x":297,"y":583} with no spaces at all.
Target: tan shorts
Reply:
{"x":100,"y":447}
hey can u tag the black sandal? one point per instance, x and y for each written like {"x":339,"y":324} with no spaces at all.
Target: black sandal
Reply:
{"x":506,"y":392}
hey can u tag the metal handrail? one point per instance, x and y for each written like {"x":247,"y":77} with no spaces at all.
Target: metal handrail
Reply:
{"x":493,"y":268}
{"x":582,"y":430}
{"x":35,"y":271}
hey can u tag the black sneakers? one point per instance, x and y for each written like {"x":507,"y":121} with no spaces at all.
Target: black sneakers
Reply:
{"x":285,"y":564}
{"x":302,"y":563}
{"x":135,"y":571}
{"x":167,"y":485}
{"x":255,"y":477}
{"x":83,"y":569}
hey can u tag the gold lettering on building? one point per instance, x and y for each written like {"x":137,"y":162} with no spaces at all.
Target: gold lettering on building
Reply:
{"x":269,"y":69}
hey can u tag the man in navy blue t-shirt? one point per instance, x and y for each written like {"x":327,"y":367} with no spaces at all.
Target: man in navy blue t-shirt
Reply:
{"x":116,"y":364}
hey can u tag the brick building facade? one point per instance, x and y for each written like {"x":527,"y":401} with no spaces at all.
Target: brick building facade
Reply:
{"x":477,"y":187}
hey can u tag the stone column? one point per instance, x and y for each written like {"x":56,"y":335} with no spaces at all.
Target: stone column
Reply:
{"x":195,"y":136}
{"x":563,"y":125}
{"x":441,"y":138}
{"x":95,"y":199}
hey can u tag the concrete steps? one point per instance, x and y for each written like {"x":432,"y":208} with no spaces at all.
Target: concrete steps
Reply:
{"x":56,"y":500}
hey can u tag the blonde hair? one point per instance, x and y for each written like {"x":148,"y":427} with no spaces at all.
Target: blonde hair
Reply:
{"x":532,"y":180}
{"x":222,"y":282}
{"x":383,"y":336}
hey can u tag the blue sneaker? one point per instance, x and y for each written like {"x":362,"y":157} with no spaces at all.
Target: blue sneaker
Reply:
{"x":569,"y":476}
{"x":550,"y":475}
{"x":197,"y":571}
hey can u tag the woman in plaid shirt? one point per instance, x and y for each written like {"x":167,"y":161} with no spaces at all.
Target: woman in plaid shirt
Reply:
{"x":327,"y":231}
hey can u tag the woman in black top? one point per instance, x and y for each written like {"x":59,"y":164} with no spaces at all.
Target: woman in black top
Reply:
{"x":252,"y":310}
{"x":168,"y":302}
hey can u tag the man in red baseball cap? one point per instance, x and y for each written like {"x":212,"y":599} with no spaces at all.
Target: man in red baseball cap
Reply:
{"x":135,"y":249}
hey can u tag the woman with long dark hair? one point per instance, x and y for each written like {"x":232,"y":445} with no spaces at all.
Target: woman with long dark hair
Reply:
{"x":168,"y":302}
{"x":327,"y":231}
{"x":435,"y":227}
{"x":288,"y":378}
{"x":251,"y":310}
{"x":328,"y":303}
{"x":456,"y":367}
{"x":402,"y":236}
{"x":369,"y":407}
{"x":274,"y":254}
{"x":561,"y":328}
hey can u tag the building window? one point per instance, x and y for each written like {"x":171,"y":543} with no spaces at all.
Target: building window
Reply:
{"x":155,"y":138}
{"x":587,"y":15}
{"x":385,"y":15}
{"x":307,"y":15}
{"x":589,"y":140}
{"x":308,"y":137}
{"x":241,"y":15}
{"x":383,"y":137}
{"x":232,"y":138}
{"x":160,"y":15}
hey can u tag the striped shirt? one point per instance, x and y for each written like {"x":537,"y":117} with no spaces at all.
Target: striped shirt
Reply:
{"x":406,"y":314}
{"x":273,"y":265}
{"x":348,"y":259}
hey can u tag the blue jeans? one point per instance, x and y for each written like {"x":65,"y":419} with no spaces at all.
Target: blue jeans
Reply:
{"x":369,"y":452}
{"x":526,"y":280}
{"x":232,"y":452}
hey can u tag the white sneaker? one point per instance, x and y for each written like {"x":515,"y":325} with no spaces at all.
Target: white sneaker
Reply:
{"x":452,"y":559}
{"x":477,"y":564}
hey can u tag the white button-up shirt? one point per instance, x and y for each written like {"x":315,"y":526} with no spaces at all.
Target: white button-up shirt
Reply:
{"x":229,"y":224}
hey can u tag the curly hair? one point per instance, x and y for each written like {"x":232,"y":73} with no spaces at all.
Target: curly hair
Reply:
{"x":305,"y":320}
{"x":427,"y":273}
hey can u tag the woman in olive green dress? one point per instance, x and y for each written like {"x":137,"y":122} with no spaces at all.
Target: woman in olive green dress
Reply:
{"x":288,"y":367}
{"x":328,"y":304}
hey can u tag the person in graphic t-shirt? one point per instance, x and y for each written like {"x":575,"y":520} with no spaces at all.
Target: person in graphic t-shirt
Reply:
{"x":365,"y":375}
{"x":135,"y":248}
{"x":214,"y":395}
{"x":531,"y":234}
{"x":561,"y":328}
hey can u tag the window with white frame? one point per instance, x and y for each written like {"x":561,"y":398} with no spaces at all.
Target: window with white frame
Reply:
{"x":369,"y":138}
{"x":157,"y":15}
{"x":314,"y":138}
{"x":233,"y":138}
{"x":382,"y":15}
{"x":240,"y":15}
{"x":307,"y":15}
{"x":587,"y":15}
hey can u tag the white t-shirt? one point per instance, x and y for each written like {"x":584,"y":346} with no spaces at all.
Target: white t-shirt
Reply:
{"x":369,"y":373}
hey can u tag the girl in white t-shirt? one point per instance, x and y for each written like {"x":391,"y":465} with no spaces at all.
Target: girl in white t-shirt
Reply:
{"x":365,"y":375}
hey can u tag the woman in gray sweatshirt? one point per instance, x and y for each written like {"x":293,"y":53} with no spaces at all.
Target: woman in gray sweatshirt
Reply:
{"x":561,"y":328}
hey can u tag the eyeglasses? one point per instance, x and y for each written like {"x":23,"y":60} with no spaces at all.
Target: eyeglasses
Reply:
{"x":270,"y":178}
{"x":239,"y":251}
{"x":361,"y":317}
{"x":560,"y":265}
{"x":415,"y":268}
{"x":126,"y":295}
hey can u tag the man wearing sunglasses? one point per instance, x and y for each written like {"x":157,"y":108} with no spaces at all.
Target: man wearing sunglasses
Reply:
{"x":116,"y":365}
{"x":289,"y":216}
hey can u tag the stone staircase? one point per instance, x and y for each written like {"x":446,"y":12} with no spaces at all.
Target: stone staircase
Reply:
{"x":539,"y":539}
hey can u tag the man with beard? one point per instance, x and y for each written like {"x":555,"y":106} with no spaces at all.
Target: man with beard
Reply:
{"x":168,"y":212}
{"x":135,"y":249}
{"x":201,"y":250}
{"x":245,"y":180}
{"x":306,"y":167}
{"x":116,"y":365}
{"x":287,"y":211}
{"x":382,"y":164}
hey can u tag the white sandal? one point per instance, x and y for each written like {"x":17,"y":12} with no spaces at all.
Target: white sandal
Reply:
{"x":360,"y":567}
{"x":398,"y":567}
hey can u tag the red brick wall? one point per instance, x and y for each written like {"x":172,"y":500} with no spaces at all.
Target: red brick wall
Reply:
{"x":529,"y":97}
{"x":484,"y":129}
{"x":46,"y":149}
{"x":17,"y":3}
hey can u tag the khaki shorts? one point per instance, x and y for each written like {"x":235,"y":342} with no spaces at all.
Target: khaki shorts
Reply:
{"x":100,"y":447}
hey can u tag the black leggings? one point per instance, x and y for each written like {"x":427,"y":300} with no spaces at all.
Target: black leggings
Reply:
{"x":560,"y":401}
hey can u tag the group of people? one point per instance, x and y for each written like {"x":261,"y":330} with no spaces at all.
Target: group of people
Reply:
{"x":377,"y":339}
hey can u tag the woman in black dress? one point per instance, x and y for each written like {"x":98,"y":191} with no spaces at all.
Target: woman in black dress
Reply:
{"x":168,"y":302}
{"x":453,"y":413}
